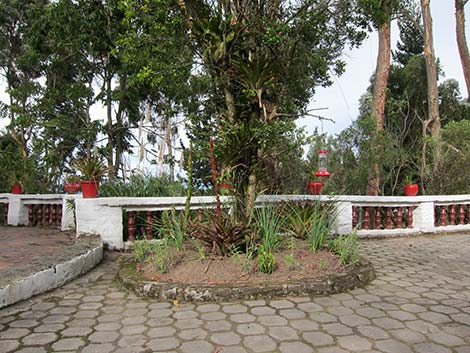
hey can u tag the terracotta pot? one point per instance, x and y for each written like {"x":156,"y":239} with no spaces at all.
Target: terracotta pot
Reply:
{"x":411,"y":189}
{"x":314,"y":187}
{"x":17,"y":189}
{"x":90,"y":188}
{"x":71,"y":188}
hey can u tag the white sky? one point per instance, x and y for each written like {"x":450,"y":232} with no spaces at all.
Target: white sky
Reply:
{"x":342,"y":99}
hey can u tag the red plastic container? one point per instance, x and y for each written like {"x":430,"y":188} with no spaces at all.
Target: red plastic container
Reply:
{"x":71,"y":188}
{"x":90,"y":189}
{"x":314,"y":187}
{"x":411,"y":189}
{"x":17,"y":189}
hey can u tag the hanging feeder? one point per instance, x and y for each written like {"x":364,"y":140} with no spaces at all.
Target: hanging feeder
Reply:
{"x":322,"y":163}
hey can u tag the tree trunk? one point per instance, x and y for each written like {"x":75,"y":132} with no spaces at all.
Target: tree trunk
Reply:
{"x":109,"y":116}
{"x":433,"y":92}
{"x":170,"y":150}
{"x":378,"y":103}
{"x":462,"y":41}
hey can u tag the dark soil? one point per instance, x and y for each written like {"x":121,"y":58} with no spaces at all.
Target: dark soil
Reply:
{"x":291,"y":264}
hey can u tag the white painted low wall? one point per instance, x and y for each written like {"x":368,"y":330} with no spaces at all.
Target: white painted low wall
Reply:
{"x":18,"y":207}
{"x":104,"y":216}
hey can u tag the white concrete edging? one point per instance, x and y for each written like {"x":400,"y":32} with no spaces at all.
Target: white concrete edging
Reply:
{"x":50,"y":278}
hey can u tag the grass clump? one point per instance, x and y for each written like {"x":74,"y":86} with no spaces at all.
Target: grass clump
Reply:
{"x":347,"y":248}
{"x":158,"y":254}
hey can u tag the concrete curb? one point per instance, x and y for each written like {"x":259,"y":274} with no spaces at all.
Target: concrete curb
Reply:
{"x":358,"y":276}
{"x":50,"y":278}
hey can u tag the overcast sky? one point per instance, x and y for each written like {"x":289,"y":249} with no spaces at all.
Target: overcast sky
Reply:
{"x":342,"y":98}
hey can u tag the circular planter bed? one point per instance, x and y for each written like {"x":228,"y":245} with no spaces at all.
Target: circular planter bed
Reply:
{"x":187,"y":283}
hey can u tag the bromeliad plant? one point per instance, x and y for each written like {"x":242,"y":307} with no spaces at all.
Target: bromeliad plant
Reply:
{"x":91,"y":169}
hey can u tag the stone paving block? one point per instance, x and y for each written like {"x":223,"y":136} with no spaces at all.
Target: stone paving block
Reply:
{"x":354,"y":320}
{"x":292,"y":313}
{"x":272,"y":320}
{"x":14,"y":333}
{"x":354,"y":343}
{"x":158,"y":322}
{"x":188,"y":314}
{"x":446,"y":339}
{"x":163,"y":344}
{"x":132,"y":341}
{"x":317,"y":339}
{"x":283,"y":333}
{"x":49,"y":328}
{"x":392,"y":346}
{"x":166,"y":331}
{"x":213,"y":316}
{"x":294,"y":347}
{"x":250,"y":329}
{"x":304,"y":325}
{"x":427,"y":347}
{"x":234,"y":309}
{"x":73,"y":344}
{"x":259,"y":343}
{"x":408,"y":336}
{"x":40,"y":339}
{"x":207,"y":308}
{"x":281,"y":304}
{"x":98,"y":348}
{"x":31,"y":350}
{"x":372,"y":332}
{"x":103,"y":337}
{"x":225,"y":338}
{"x":217,"y":326}
{"x":193,"y":334}
{"x":197,"y":346}
{"x":336,"y":329}
{"x":242,"y":318}
{"x":8,"y":345}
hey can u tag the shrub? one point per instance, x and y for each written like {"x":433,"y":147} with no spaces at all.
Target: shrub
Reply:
{"x":172,"y":227}
{"x":268,"y":225}
{"x":309,"y":220}
{"x":219,"y":234}
{"x":266,"y":260}
{"x":157,"y":253}
{"x":140,"y":185}
{"x":347,"y":248}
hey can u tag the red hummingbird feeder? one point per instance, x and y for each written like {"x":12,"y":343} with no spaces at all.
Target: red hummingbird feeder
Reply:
{"x":322,"y":163}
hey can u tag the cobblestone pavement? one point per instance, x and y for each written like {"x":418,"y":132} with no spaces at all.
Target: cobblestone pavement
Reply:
{"x":420,"y":302}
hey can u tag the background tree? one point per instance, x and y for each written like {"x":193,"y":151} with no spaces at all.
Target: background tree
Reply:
{"x":433,"y":123}
{"x":462,"y":41}
{"x":264,"y":61}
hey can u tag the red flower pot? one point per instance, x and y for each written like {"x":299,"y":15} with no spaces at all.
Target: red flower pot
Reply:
{"x":17,"y":189}
{"x":71,"y":188}
{"x":90,"y":188}
{"x":411,"y":189}
{"x":314,"y":187}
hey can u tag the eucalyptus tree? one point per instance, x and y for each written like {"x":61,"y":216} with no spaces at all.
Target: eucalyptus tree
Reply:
{"x":462,"y":41}
{"x":381,"y":13}
{"x":264,"y":60}
{"x":433,"y":122}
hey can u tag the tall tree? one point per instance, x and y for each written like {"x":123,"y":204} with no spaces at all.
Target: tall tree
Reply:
{"x":264,"y":60}
{"x":434,"y":121}
{"x":381,"y":14}
{"x":462,"y":41}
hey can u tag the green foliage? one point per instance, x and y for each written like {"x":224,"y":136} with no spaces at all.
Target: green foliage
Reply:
{"x":172,"y":227}
{"x":347,"y":248}
{"x":268,"y":225}
{"x":157,"y":253}
{"x":266,"y":260}
{"x":449,"y":178}
{"x":221,"y":235}
{"x":141,"y":185}
{"x":91,"y":168}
